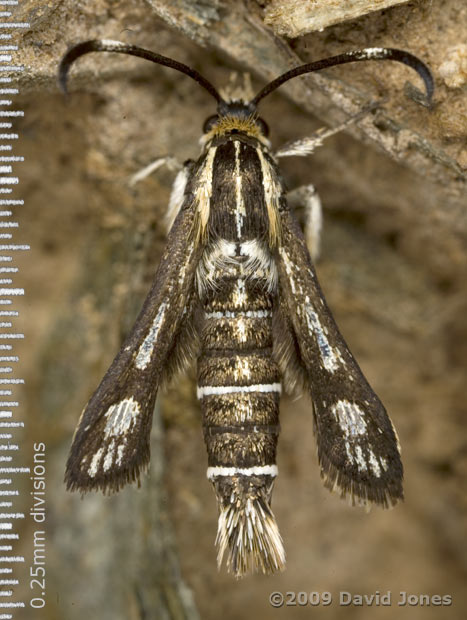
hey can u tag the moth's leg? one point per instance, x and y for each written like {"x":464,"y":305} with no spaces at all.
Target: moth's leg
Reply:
{"x":305,"y":200}
{"x":178,"y":192}
{"x":306,"y":146}
{"x":306,"y":204}
{"x":178,"y":187}
{"x":172,"y":164}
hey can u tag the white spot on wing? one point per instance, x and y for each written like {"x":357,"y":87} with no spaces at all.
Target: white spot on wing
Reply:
{"x":352,"y":422}
{"x":374,"y":465}
{"x":350,"y":418}
{"x":121,"y":417}
{"x":108,"y":460}
{"x":147,"y":346}
{"x":330,"y":356}
{"x":120,"y":420}
{"x":361,"y":463}
{"x":92,"y":471}
{"x":295,"y":286}
{"x":120,"y":451}
{"x":355,"y":456}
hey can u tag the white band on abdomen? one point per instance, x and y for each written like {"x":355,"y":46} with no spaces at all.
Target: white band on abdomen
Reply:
{"x":211,"y":390}
{"x":259,"y":470}
{"x":243,"y":314}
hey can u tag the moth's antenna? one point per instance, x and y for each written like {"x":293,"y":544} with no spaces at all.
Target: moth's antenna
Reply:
{"x":107,"y":45}
{"x":370,"y":53}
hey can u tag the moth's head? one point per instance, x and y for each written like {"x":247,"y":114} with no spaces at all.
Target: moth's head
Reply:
{"x":235,"y":117}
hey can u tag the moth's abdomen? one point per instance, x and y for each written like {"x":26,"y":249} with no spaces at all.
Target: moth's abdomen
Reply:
{"x":239,"y":392}
{"x":239,"y":389}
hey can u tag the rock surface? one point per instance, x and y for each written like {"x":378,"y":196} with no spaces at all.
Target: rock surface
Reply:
{"x":393,"y":269}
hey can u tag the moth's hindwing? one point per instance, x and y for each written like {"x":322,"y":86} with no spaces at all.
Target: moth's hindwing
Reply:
{"x":111,"y":443}
{"x":358,"y":447}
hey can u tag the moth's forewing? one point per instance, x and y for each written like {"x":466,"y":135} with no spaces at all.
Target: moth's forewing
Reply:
{"x":111,"y":443}
{"x":357,"y":445}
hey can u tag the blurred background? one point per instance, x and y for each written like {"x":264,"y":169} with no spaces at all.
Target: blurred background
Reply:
{"x":393,"y":269}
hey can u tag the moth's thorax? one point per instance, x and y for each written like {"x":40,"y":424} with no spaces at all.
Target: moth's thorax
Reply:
{"x":238,"y":190}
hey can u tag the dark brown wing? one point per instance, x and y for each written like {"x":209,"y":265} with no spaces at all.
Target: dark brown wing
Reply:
{"x":357,"y":445}
{"x":111,"y":443}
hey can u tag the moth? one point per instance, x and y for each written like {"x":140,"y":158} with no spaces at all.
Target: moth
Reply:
{"x":236,"y":288}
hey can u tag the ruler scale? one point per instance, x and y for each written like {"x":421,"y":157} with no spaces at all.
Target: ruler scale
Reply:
{"x":14,"y":572}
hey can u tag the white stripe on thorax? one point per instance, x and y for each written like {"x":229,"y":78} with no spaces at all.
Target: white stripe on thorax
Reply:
{"x":211,"y":390}
{"x":272,"y":193}
{"x":240,"y":211}
{"x":258,"y":470}
{"x":203,"y":190}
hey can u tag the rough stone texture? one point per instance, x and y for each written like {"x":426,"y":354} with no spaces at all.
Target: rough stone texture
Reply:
{"x":294,"y":18}
{"x":393,"y":269}
{"x":454,"y":68}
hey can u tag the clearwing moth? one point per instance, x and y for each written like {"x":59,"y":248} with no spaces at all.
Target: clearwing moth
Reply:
{"x":236,"y":288}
